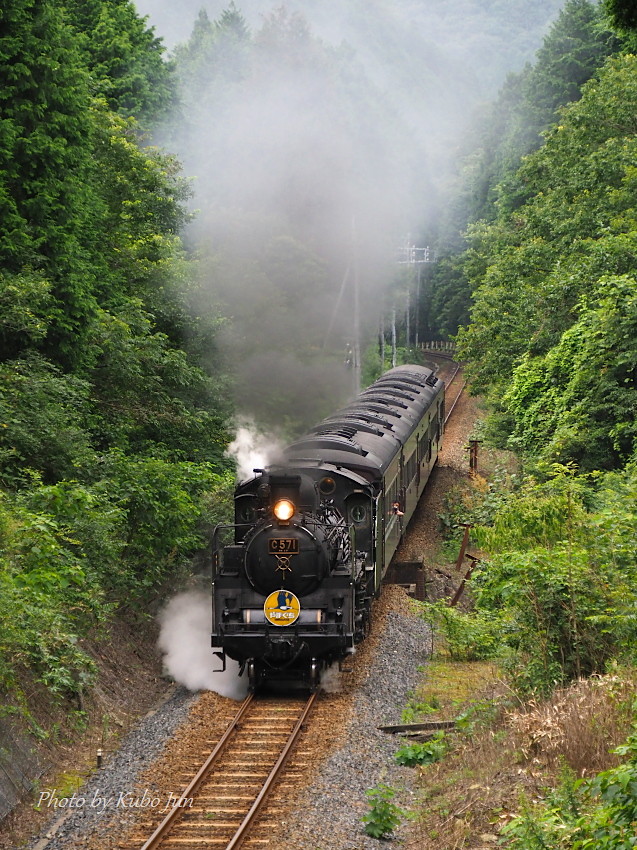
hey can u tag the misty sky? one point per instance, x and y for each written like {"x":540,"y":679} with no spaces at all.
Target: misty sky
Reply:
{"x":488,"y":38}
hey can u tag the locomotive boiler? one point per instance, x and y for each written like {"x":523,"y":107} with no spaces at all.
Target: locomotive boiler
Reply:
{"x":294,"y":576}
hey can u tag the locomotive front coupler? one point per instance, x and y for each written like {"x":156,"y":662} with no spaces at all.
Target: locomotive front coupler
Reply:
{"x":283,"y":647}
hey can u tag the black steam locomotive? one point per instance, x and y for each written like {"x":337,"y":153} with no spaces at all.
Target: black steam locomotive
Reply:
{"x":295,"y":575}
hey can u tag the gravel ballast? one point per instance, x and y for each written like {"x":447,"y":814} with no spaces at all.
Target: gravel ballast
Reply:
{"x":329,"y":814}
{"x":70,"y":827}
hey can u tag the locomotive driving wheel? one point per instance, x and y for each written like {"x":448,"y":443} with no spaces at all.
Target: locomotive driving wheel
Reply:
{"x":253,"y":675}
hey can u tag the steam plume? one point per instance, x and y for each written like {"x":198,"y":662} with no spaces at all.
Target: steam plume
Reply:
{"x":252,"y":449}
{"x":185,"y":642}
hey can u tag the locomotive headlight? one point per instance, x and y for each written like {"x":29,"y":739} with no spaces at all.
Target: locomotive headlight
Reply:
{"x":284,"y":510}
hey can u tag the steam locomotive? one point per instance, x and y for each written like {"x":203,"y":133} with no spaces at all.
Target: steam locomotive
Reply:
{"x":294,"y":576}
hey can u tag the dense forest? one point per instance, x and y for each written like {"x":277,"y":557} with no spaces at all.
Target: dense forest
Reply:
{"x":543,"y":287}
{"x":537,"y":285}
{"x":140,"y":310}
{"x":112,"y":435}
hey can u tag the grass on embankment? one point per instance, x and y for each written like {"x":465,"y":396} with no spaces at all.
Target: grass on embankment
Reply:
{"x":506,"y":751}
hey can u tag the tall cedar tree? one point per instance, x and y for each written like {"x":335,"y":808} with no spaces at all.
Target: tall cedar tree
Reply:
{"x":623,"y":13}
{"x":577,"y":44}
{"x":124,"y":57}
{"x":45,"y":152}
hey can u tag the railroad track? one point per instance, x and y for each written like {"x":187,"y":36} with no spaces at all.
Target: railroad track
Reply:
{"x":220,"y":805}
{"x":455,"y":378}
{"x":451,"y":374}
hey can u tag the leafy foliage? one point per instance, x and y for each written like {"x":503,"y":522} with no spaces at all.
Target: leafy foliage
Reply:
{"x":598,"y":813}
{"x":48,"y":599}
{"x":123,"y":56}
{"x":111,"y":424}
{"x":45,"y":160}
{"x":43,"y":420}
{"x":577,"y":44}
{"x":558,"y":588}
{"x":426,"y":752}
{"x":70,"y":552}
{"x":466,"y":637}
{"x":169,"y":510}
{"x":623,"y":13}
{"x":384,"y":815}
{"x":25,"y":310}
{"x":554,"y":308}
{"x":579,"y":400}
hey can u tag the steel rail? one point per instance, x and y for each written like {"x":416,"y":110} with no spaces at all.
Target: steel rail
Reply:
{"x":455,"y":402}
{"x":432,"y":352}
{"x":455,"y":372}
{"x":162,"y":830}
{"x":457,"y":398}
{"x":240,"y":834}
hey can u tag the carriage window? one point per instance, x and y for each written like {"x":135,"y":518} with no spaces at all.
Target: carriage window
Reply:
{"x":393,"y":492}
{"x":411,"y":467}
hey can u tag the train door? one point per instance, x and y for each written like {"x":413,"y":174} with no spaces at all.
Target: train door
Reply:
{"x":418,"y":461}
{"x":393,"y":512}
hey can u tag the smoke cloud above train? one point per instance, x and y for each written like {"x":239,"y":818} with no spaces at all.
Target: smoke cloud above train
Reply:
{"x":318,"y":137}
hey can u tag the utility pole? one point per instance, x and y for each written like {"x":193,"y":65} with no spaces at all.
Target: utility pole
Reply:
{"x":407,"y":321}
{"x":393,"y":335}
{"x":357,"y":318}
{"x":382,"y":342}
{"x":417,"y":318}
{"x":410,"y":255}
{"x":416,"y":258}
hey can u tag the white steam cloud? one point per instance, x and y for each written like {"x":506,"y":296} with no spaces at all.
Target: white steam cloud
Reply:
{"x":252,"y":449}
{"x":320,"y":137}
{"x":331,"y":680}
{"x":184,"y":640}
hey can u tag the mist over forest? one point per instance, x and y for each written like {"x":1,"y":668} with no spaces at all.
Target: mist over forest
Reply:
{"x":485,"y":39}
{"x":319,"y":139}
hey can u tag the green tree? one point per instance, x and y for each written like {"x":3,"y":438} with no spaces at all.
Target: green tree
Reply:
{"x":44,"y":419}
{"x":548,"y":260}
{"x":111,"y":432}
{"x":623,"y":13}
{"x":560,"y":577}
{"x":45,"y":163}
{"x":25,"y":311}
{"x":576,"y":45}
{"x":123,"y":56}
{"x":579,"y":401}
